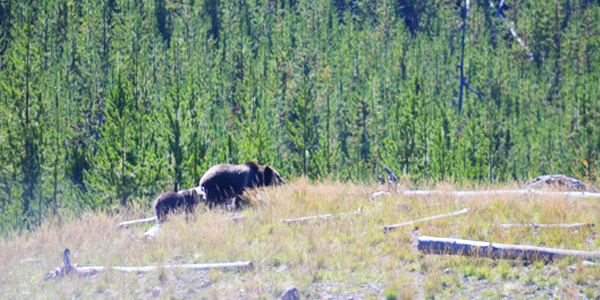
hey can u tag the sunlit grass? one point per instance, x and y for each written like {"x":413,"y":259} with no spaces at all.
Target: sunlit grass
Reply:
{"x":350,"y":250}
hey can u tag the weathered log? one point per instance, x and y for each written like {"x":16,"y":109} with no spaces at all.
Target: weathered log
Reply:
{"x":491,"y":192}
{"x":303,"y":219}
{"x":245,"y":265}
{"x":239,"y":218}
{"x":437,"y":245}
{"x":379,"y":193}
{"x":452,"y":214}
{"x":68,"y":269}
{"x":563,"y":225}
{"x":242,"y":265}
{"x":567,"y":194}
{"x":500,"y":192}
{"x":126,"y":224}
{"x":322,"y":217}
{"x":138,"y":221}
{"x":153,"y":232}
{"x":392,"y":179}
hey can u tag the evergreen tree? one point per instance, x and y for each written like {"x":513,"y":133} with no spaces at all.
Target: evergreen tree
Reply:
{"x":116,"y":174}
{"x":254,"y":141}
{"x":163,"y":20}
{"x":301,"y":124}
{"x":172,"y":129}
{"x":25,"y":116}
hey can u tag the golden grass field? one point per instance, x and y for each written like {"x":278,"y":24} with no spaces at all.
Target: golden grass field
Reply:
{"x":346,"y":257}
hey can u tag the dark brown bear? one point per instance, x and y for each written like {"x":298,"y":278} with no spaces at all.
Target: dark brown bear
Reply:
{"x":169,"y":202}
{"x":223,"y":183}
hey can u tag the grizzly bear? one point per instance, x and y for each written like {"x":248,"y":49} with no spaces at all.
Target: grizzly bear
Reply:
{"x":225,"y":182}
{"x":169,"y":202}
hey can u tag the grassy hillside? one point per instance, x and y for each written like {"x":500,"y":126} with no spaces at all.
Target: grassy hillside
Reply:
{"x":347,"y":256}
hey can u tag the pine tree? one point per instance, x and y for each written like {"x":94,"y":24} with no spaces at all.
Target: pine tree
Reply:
{"x":6,"y":22}
{"x":587,"y":135}
{"x":25,"y":115}
{"x":401,"y":144}
{"x":163,"y":20}
{"x":254,"y":141}
{"x":116,"y":171}
{"x":301,"y":127}
{"x":172,"y":129}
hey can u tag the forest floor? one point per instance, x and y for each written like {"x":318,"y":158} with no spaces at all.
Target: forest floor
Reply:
{"x":346,"y":257}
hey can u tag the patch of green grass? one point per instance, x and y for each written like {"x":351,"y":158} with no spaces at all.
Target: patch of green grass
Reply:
{"x":503,"y":269}
{"x":432,"y":284}
{"x":589,"y":293}
{"x":491,"y":293}
{"x":391,"y":292}
{"x":483,"y":272}
{"x":468,"y":270}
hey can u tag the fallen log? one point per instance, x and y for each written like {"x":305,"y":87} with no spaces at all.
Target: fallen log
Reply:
{"x":379,"y":193}
{"x":239,"y":218}
{"x":242,"y":265}
{"x":245,"y":265}
{"x":138,"y":221}
{"x":500,"y":192}
{"x":392,"y":179}
{"x":126,"y":224}
{"x":452,"y":214}
{"x":450,"y":246}
{"x":153,"y":232}
{"x":322,"y":217}
{"x":563,"y":225}
{"x":490,"y":192}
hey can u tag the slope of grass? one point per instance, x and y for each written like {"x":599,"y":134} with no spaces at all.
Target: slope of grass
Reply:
{"x":347,"y":256}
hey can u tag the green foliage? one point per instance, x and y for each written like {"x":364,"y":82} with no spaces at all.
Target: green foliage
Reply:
{"x":107,"y":102}
{"x":301,"y":124}
{"x":119,"y":162}
{"x":163,"y":20}
{"x":24,"y":117}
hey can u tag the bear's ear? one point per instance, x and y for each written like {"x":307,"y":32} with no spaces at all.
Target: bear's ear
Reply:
{"x":195,"y":195}
{"x":268,"y":175}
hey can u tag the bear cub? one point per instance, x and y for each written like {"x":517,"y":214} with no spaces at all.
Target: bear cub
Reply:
{"x":169,"y":202}
{"x":225,"y":182}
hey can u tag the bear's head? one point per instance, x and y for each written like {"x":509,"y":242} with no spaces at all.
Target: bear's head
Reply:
{"x":272,"y":177}
{"x":193,"y":195}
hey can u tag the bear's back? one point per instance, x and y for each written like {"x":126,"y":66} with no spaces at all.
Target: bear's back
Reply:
{"x":225,"y":175}
{"x":165,"y":202}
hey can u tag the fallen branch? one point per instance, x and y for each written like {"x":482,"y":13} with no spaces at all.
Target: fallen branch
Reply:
{"x":322,"y":217}
{"x":242,"y":265}
{"x":452,"y":214}
{"x":490,"y":192}
{"x":564,"y":225}
{"x":499,"y":192}
{"x":392,"y":179}
{"x":437,"y":245}
{"x":379,"y":193}
{"x":264,"y":259}
{"x":65,"y":269}
{"x":138,"y":221}
{"x":239,"y":218}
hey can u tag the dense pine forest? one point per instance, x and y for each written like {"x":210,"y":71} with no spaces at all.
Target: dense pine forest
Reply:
{"x":106,"y":103}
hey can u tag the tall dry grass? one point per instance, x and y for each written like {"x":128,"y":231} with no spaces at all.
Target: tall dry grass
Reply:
{"x":350,"y":250}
